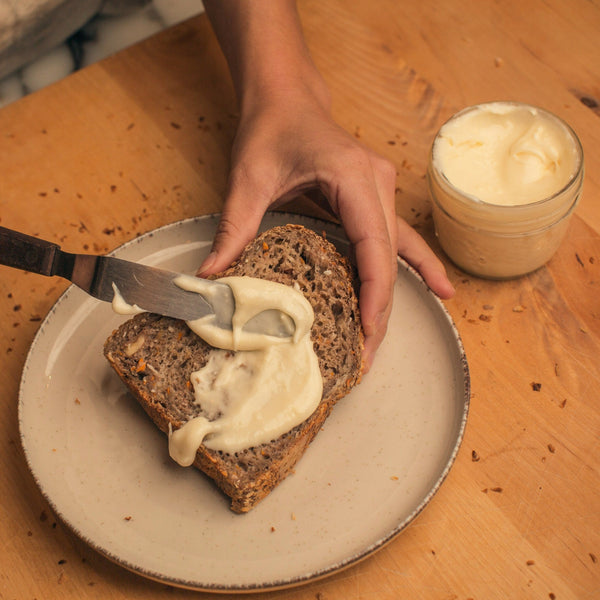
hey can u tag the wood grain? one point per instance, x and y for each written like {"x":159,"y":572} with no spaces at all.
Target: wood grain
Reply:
{"x":143,"y":138}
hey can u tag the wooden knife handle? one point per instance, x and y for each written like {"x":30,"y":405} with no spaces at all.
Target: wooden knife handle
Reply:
{"x":25,"y":252}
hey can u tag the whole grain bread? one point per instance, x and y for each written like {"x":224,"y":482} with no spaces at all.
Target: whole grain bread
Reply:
{"x":156,"y":355}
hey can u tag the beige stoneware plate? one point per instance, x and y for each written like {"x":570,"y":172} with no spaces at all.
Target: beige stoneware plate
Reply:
{"x":106,"y":472}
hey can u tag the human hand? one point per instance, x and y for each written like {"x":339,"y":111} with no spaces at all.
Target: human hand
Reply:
{"x":288,"y":143}
{"x":291,"y":144}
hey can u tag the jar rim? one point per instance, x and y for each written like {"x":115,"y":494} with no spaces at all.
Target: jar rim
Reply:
{"x":511,"y":208}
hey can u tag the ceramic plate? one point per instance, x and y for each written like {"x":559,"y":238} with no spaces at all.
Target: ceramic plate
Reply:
{"x":106,"y":472}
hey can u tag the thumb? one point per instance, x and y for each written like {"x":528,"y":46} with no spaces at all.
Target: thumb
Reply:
{"x":239,"y":222}
{"x":233,"y":234}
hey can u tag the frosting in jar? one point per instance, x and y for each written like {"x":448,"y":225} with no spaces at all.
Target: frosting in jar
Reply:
{"x":504,"y":179}
{"x":506,"y":154}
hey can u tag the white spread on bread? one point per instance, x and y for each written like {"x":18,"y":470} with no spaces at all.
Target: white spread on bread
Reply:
{"x":254,"y":388}
{"x":252,"y":297}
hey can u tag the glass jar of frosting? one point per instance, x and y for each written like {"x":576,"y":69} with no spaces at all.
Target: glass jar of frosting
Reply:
{"x":504,"y":179}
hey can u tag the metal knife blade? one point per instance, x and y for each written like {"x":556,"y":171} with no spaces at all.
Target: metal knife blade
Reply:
{"x":149,"y":288}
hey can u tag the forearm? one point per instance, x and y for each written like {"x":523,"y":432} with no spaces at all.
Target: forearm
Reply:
{"x":264,"y":46}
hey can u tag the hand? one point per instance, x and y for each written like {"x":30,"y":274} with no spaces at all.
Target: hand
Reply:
{"x":287,"y":143}
{"x":291,"y":145}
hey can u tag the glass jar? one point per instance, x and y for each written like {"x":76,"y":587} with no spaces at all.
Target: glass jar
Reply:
{"x":502,"y":240}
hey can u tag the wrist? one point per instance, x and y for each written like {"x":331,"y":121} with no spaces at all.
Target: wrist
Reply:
{"x":268,"y":59}
{"x":286,"y":84}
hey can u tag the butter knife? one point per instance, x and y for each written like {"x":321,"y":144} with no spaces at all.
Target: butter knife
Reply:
{"x":151,"y":289}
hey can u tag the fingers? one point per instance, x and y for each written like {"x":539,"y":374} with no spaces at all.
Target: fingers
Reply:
{"x":365,"y":204}
{"x":243,"y":210}
{"x":230,"y":238}
{"x":375,"y":299}
{"x":414,"y":249}
{"x":268,"y":162}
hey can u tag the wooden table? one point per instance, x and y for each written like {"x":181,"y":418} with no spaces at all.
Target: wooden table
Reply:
{"x":142,"y":139}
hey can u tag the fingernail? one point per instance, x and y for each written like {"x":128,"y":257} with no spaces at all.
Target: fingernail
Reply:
{"x":367,"y":361}
{"x":208,"y":262}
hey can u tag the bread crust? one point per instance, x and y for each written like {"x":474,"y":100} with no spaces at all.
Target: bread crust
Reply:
{"x":155,"y":356}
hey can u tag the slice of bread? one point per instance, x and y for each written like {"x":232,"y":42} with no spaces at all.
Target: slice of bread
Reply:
{"x":156,"y":355}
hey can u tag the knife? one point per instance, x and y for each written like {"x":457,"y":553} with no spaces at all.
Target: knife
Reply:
{"x":149,"y":288}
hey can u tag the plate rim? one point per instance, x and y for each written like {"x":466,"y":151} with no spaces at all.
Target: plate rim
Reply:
{"x":294,"y":581}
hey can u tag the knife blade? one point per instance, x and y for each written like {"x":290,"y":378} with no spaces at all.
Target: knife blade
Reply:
{"x":149,"y":288}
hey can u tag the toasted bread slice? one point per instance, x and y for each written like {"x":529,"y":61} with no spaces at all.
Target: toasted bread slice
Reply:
{"x":156,"y":355}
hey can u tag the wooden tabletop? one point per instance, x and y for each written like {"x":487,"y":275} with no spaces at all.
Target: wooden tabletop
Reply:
{"x":142,"y":139}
